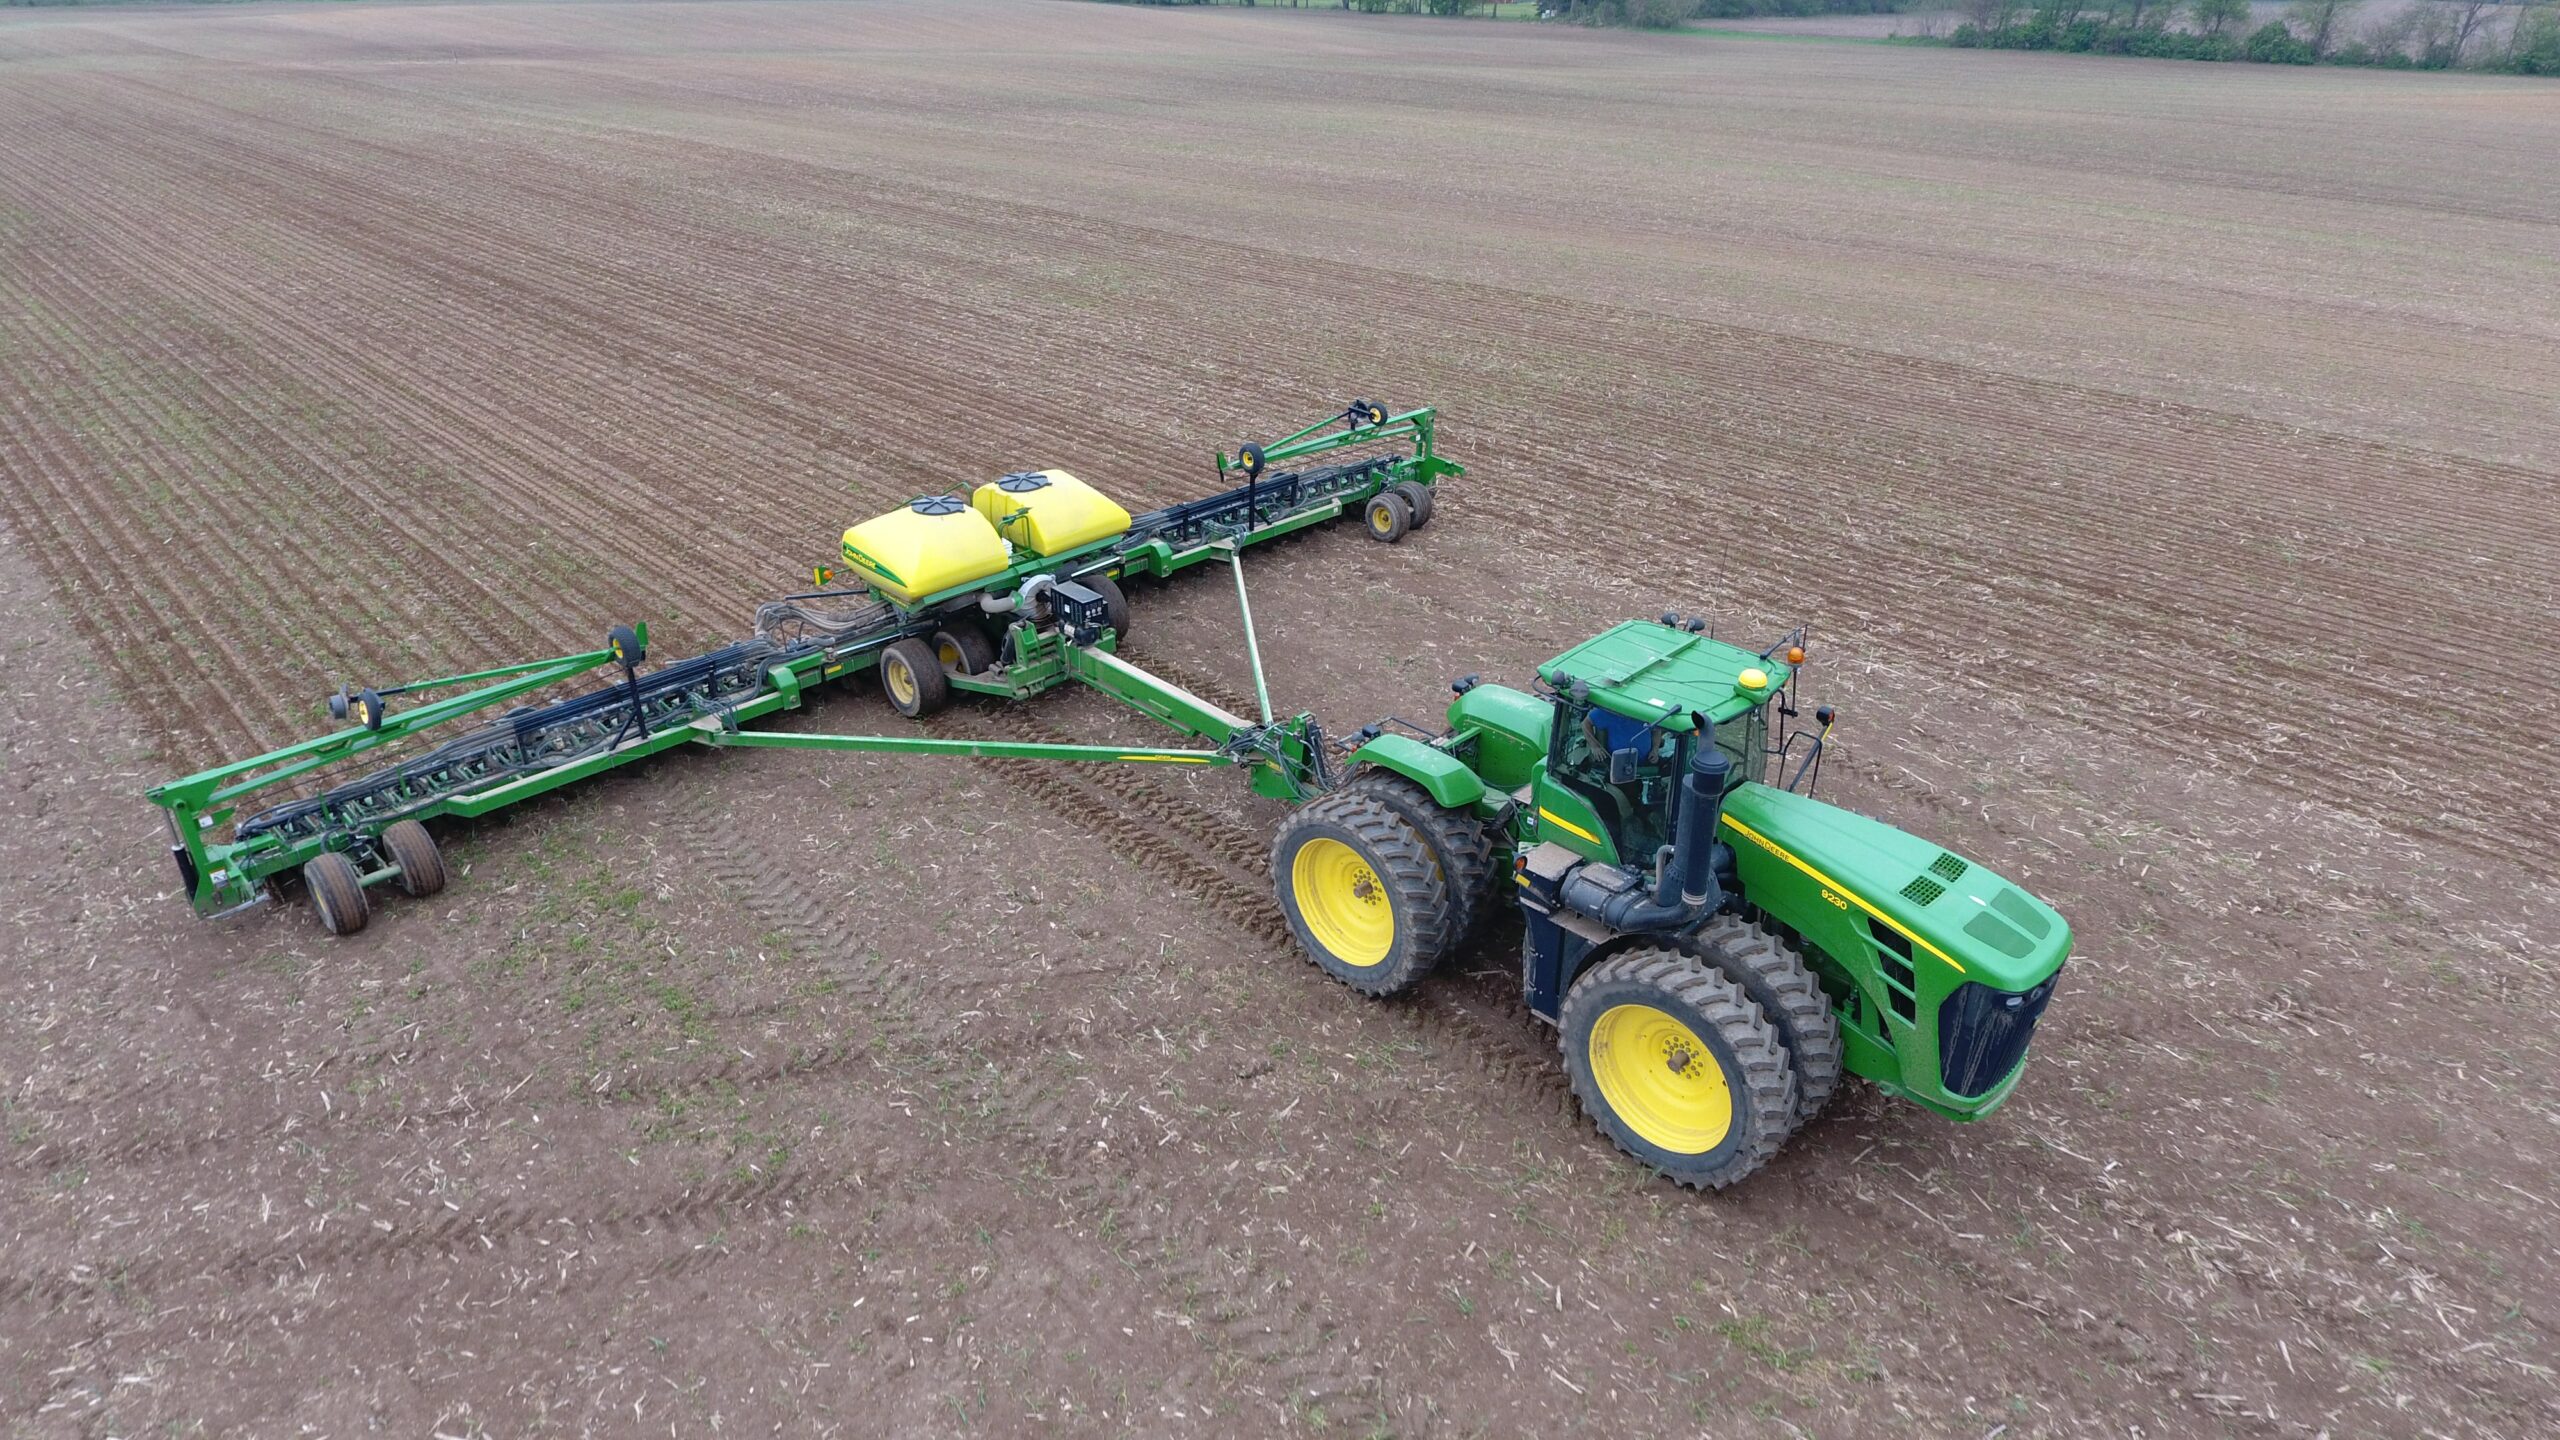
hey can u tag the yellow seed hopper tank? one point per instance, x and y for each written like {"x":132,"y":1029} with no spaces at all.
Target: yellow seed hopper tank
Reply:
{"x":924,"y":547}
{"x":1049,"y":512}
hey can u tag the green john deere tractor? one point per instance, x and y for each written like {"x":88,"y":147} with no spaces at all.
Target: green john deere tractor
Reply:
{"x":1714,"y":949}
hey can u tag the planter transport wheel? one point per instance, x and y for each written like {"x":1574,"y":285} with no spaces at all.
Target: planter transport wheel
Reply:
{"x":964,"y":649}
{"x":912,"y":677}
{"x":337,"y":892}
{"x":1417,"y":497}
{"x":414,"y":851}
{"x":1388,"y":517}
{"x":1115,"y":603}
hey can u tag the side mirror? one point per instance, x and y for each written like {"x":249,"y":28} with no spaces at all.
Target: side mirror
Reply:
{"x":1622,"y":766}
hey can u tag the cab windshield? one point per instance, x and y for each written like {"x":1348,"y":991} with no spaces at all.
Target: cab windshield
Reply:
{"x":1629,"y":769}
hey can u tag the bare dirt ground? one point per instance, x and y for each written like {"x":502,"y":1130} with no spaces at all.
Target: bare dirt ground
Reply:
{"x":2165,"y":458}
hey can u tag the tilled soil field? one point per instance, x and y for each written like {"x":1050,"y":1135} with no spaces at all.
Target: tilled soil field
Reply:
{"x":2164,"y":457}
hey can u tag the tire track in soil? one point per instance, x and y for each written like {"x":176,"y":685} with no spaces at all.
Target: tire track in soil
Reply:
{"x":457,"y":1235}
{"x":732,"y":1072}
{"x":1241,"y":1307}
{"x":1286,"y":1337}
{"x":1216,"y":691}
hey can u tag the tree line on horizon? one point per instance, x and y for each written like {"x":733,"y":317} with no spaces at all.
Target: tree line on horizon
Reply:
{"x":1649,"y":14}
{"x":2426,"y":35}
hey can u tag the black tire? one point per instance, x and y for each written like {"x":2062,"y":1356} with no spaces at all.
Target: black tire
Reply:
{"x":964,"y":648}
{"x":1362,"y":892}
{"x":1115,"y":603}
{"x":337,"y":892}
{"x":1682,"y":1129}
{"x":1249,"y":458}
{"x":1387,"y":517}
{"x":414,"y":851}
{"x":912,"y":678}
{"x":1776,"y":979}
{"x":625,"y":644}
{"x":1462,"y":845}
{"x":1417,"y":498}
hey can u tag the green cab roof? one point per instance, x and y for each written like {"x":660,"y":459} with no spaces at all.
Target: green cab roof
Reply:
{"x":1650,"y":671}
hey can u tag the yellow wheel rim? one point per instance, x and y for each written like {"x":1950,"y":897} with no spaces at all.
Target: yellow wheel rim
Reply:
{"x":901,"y":682}
{"x":949,"y":654}
{"x":1343,"y":902}
{"x":1661,"y":1079}
{"x":1381,"y":519}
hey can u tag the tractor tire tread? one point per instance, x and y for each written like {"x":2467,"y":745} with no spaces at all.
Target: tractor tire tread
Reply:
{"x":1775,"y":976}
{"x":1764,"y":1103}
{"x":1462,"y":844}
{"x":1403,"y":860}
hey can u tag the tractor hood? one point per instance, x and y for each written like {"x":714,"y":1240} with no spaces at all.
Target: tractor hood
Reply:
{"x":1651,"y":671}
{"x":1956,"y":911}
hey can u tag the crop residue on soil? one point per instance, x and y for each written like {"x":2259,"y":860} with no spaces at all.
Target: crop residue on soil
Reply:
{"x":2163,"y":460}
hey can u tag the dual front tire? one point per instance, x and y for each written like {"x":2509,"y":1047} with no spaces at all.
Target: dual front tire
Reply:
{"x":1677,"y":1066}
{"x":1701,"y":1056}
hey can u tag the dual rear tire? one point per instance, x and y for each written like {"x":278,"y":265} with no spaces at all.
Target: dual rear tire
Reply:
{"x":1381,"y":883}
{"x":1363,"y":893}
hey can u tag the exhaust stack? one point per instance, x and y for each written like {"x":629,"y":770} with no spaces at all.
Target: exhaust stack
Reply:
{"x":1686,"y":888}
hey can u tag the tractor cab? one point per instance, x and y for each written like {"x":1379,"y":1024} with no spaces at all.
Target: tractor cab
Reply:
{"x":1625,"y":767}
{"x":1631,"y":703}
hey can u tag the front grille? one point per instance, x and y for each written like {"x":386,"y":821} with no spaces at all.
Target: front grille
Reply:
{"x":1983,"y":1033}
